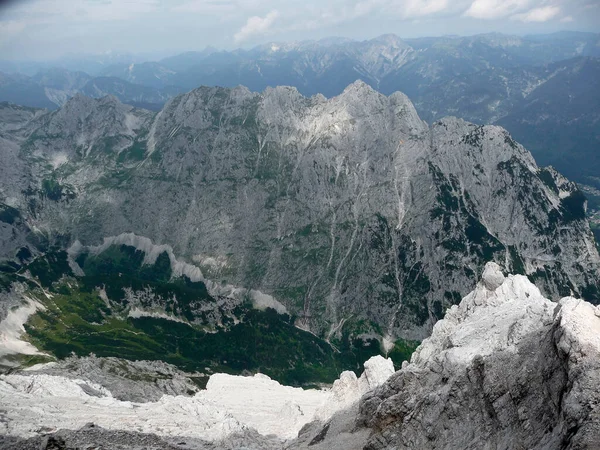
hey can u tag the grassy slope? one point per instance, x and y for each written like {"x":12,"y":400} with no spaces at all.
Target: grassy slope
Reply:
{"x":77,"y":320}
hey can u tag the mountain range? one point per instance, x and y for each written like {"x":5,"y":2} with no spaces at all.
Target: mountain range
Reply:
{"x":351,"y":212}
{"x":491,"y":78}
{"x":170,"y":254}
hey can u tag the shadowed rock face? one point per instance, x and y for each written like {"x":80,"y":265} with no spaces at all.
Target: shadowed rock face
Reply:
{"x":93,"y":436}
{"x":505,"y":369}
{"x":343,"y":209}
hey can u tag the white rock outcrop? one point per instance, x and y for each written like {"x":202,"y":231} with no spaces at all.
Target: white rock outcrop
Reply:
{"x":507,"y":368}
{"x":230,"y":404}
{"x":348,"y":389}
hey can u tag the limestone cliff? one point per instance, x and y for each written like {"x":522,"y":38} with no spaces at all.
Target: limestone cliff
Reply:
{"x":505,"y":369}
{"x":349,"y":211}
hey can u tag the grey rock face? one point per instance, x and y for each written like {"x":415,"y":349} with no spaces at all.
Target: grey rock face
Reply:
{"x":492,"y":277}
{"x":342,"y":209}
{"x":92,"y":436}
{"x":505,"y":369}
{"x":135,"y":381}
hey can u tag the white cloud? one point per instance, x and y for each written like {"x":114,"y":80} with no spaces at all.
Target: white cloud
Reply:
{"x":420,"y":8}
{"x":87,"y":10}
{"x":542,"y":14}
{"x":567,"y":19}
{"x":10,"y":27}
{"x":205,"y":7}
{"x":256,"y":26}
{"x":495,"y":9}
{"x":314,"y":16}
{"x":399,"y":8}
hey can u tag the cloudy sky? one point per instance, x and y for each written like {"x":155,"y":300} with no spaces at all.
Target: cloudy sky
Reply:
{"x":43,"y":29}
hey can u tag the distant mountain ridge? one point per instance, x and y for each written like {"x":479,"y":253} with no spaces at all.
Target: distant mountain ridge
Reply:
{"x":489,"y":78}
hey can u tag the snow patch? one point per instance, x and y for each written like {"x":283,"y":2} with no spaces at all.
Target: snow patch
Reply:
{"x":563,"y":194}
{"x":348,"y":389}
{"x":55,"y":402}
{"x":388,"y":343}
{"x":263,"y":404}
{"x":132,"y":122}
{"x":151,"y":144}
{"x":229,"y":404}
{"x":11,"y":330}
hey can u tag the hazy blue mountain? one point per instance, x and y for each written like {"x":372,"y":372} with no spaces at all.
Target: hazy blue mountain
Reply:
{"x":559,"y":121}
{"x":187,"y":60}
{"x":22,"y":90}
{"x":387,"y":63}
{"x":52,"y":88}
{"x":61,"y":79}
{"x":151,"y":74}
{"x":489,"y":78}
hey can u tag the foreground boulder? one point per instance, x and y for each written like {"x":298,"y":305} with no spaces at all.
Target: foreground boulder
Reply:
{"x":506,"y":368}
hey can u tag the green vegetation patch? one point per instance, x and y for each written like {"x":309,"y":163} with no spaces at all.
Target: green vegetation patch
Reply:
{"x":8,"y":214}
{"x":357,"y":342}
{"x":402,"y":351}
{"x":573,"y":206}
{"x":518,"y":266}
{"x":136,"y":152}
{"x":53,"y":190}
{"x":51,"y":267}
{"x":80,"y":322}
{"x":548,"y":179}
{"x":22,"y":361}
{"x":121,"y":267}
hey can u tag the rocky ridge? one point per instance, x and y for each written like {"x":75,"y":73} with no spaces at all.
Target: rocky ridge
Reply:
{"x":255,"y":408}
{"x":505,"y":369}
{"x":348,"y":210}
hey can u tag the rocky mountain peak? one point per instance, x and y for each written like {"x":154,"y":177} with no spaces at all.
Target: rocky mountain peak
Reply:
{"x":505,"y":368}
{"x":391,"y":40}
{"x":80,"y":107}
{"x":337,"y":208}
{"x":492,"y":277}
{"x":84,"y":124}
{"x":359,"y":87}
